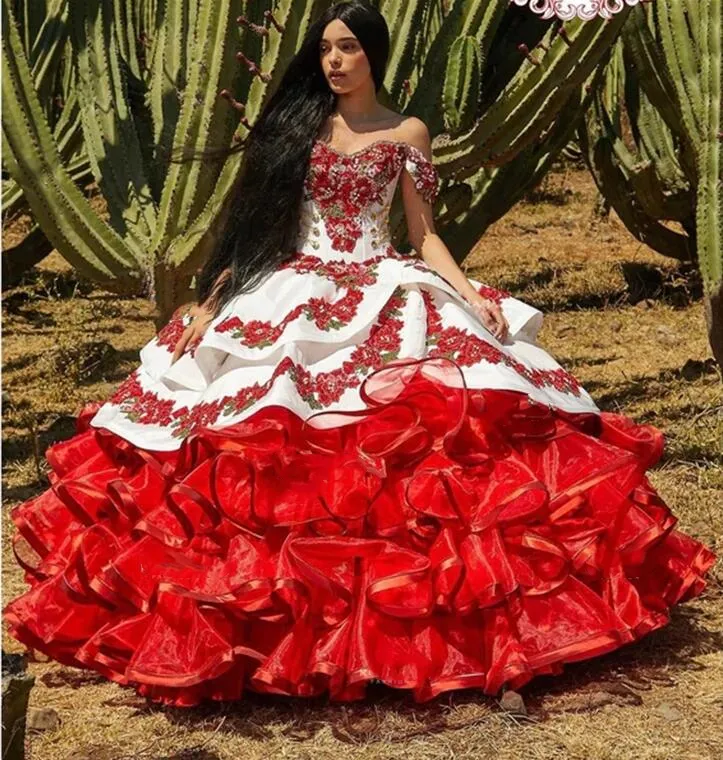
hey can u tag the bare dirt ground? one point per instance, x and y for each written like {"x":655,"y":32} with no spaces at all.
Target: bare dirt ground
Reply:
{"x":623,"y":319}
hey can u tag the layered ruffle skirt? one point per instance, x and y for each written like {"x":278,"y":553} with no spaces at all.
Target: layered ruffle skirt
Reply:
{"x":449,"y":538}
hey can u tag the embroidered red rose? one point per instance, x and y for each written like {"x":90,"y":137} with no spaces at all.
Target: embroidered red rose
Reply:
{"x":471,"y":349}
{"x":344,"y":187}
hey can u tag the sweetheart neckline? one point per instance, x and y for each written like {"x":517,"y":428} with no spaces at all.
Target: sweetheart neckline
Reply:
{"x":381,"y":140}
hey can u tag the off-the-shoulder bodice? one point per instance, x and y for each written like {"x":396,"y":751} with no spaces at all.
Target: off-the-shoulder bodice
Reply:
{"x":347,"y":197}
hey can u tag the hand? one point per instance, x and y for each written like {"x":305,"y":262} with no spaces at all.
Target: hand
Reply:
{"x":491,"y":316}
{"x":201,"y":317}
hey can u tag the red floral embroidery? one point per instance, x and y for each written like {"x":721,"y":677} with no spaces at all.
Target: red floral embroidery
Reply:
{"x":171,"y":333}
{"x":381,"y":346}
{"x":343,"y":186}
{"x":318,"y":391}
{"x":343,"y":274}
{"x":141,"y":406}
{"x":468,"y":349}
{"x":493,"y":294}
{"x":363,"y":272}
{"x":424,"y":174}
{"x":325,"y":315}
{"x":332,"y":316}
{"x":129,"y":388}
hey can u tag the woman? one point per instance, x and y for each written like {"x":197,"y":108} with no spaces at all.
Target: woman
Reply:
{"x":346,"y":464}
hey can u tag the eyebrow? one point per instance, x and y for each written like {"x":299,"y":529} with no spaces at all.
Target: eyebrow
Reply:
{"x":341,"y":39}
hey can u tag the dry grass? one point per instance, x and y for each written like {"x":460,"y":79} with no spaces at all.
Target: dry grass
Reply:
{"x":661,"y":698}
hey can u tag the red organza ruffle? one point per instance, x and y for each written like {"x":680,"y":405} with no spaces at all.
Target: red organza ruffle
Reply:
{"x":448,"y":538}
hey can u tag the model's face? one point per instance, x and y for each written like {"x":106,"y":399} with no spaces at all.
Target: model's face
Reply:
{"x":340,"y":52}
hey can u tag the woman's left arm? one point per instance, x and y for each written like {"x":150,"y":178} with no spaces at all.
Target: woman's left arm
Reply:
{"x":425,"y":240}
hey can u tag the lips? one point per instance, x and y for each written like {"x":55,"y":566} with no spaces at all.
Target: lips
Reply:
{"x":336,"y":76}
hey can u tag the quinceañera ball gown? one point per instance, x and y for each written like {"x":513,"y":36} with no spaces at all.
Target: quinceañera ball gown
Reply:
{"x":348,"y":479}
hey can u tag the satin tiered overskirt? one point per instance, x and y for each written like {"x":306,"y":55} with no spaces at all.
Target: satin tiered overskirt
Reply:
{"x":448,"y":538}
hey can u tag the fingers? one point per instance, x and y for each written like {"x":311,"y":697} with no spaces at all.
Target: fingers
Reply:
{"x":501,"y":327}
{"x":493,"y":318}
{"x":501,"y":323}
{"x":194,"y":332}
{"x":182,"y":343}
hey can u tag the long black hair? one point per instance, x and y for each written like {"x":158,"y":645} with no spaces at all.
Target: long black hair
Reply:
{"x":261,"y":226}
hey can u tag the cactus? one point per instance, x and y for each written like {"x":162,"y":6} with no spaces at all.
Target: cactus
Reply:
{"x":652,"y":138}
{"x":537,"y":86}
{"x":537,"y":91}
{"x":45,"y":39}
{"x":642,"y":181}
{"x":709,"y":200}
{"x":34,"y":161}
{"x":148,"y":75}
{"x":462,"y":82}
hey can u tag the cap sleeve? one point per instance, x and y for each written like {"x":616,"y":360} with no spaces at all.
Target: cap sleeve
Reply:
{"x":423,"y":172}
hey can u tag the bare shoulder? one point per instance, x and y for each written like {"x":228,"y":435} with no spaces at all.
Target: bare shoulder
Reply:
{"x":415,"y":132}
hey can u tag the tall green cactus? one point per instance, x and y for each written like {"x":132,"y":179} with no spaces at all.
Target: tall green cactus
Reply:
{"x":540,"y":87}
{"x":653,"y":138}
{"x":44,"y":36}
{"x":632,"y":156}
{"x":709,"y":205}
{"x":148,"y":74}
{"x":34,"y":161}
{"x":462,"y":82}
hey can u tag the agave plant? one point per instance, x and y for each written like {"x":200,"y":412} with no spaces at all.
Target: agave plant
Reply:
{"x":653,"y":137}
{"x":500,"y":89}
